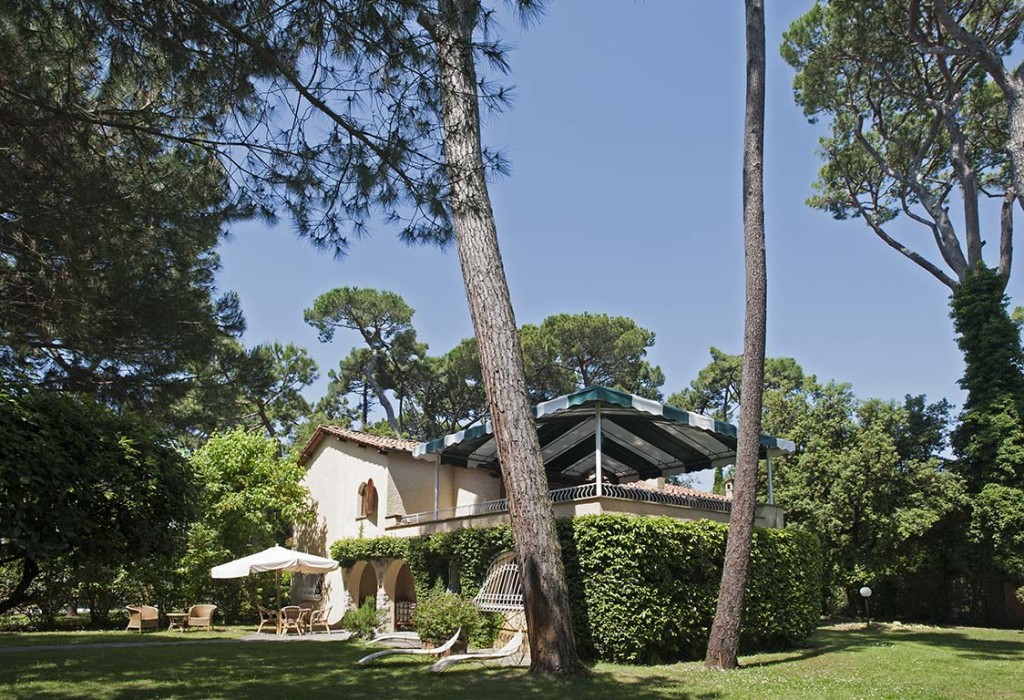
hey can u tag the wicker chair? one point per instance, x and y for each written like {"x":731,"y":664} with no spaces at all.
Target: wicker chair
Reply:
{"x":268,"y":617}
{"x":142,"y":617}
{"x":291,"y":619}
{"x":319,"y":617}
{"x":201,"y":616}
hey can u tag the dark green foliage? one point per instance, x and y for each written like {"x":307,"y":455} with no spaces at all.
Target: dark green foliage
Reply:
{"x":448,"y":392}
{"x":348,"y":552}
{"x":87,"y":491}
{"x":642,"y":590}
{"x":924,"y":434}
{"x":436,"y":395}
{"x":868,"y":477}
{"x":568,"y":352}
{"x":251,"y":500}
{"x":473,"y":549}
{"x":989,"y":442}
{"x":364,"y":621}
{"x":650,"y":586}
{"x":272,"y":387}
{"x":879,"y":513}
{"x":438,"y":616}
{"x":108,"y":236}
{"x":717,"y":390}
{"x":997,"y":526}
{"x":718,"y":485}
{"x":988,"y":338}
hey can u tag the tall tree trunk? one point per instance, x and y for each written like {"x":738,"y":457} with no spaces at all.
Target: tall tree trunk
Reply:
{"x":370,"y":375}
{"x":552,"y":643}
{"x":18,"y":595}
{"x":725,"y":632}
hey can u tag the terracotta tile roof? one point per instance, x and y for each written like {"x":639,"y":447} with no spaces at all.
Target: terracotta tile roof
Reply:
{"x":365,"y":439}
{"x":675,"y":490}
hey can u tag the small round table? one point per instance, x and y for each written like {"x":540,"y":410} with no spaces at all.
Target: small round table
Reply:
{"x":176,"y":620}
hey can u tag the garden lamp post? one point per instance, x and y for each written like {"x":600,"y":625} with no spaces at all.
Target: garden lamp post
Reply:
{"x":865,"y":593}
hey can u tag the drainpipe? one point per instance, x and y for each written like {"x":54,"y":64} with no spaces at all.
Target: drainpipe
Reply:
{"x":771,"y":492}
{"x":437,"y":484}
{"x":598,"y":474}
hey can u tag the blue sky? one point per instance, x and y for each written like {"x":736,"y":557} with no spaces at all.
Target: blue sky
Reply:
{"x":624,"y":198}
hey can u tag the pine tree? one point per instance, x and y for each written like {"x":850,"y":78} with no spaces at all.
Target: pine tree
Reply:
{"x":723,"y":646}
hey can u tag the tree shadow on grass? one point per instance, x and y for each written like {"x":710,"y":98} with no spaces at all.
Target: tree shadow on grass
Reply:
{"x":827,"y":641}
{"x":300,"y":669}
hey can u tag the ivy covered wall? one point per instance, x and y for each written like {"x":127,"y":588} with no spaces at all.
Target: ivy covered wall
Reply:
{"x":643,"y":590}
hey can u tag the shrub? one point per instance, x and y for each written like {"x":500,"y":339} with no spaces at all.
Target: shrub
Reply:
{"x":438,"y":617}
{"x":365,"y":621}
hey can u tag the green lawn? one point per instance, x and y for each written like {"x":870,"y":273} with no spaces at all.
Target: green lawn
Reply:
{"x":34,"y":639}
{"x":840,"y":662}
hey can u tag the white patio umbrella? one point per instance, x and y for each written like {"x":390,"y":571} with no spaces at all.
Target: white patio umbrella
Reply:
{"x":276,"y":559}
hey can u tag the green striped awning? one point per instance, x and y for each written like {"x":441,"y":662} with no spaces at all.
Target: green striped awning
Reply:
{"x":641,"y":438}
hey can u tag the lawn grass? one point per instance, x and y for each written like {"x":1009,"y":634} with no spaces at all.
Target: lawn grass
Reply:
{"x":119,"y":636}
{"x":840,"y":662}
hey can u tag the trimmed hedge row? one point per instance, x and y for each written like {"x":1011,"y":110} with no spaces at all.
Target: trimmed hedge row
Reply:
{"x":642,"y":590}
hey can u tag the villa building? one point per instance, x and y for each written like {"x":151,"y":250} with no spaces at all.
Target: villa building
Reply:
{"x":605,"y":451}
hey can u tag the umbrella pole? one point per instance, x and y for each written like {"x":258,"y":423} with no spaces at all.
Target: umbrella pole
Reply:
{"x":277,"y":575}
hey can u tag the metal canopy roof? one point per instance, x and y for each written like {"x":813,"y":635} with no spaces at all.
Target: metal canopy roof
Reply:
{"x":641,"y":438}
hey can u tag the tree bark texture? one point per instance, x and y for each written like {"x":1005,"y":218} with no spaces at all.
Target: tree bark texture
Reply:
{"x":725,"y":631}
{"x":18,"y":596}
{"x":370,"y":374}
{"x":552,"y":643}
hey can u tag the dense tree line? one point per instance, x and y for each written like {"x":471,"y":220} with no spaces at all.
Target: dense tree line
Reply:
{"x":897,"y":503}
{"x":425,"y":396}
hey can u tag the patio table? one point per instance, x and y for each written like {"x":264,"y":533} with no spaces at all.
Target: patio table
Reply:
{"x":176,"y":620}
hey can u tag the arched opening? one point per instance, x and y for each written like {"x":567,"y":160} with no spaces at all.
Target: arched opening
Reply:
{"x":502,"y":594}
{"x":401,"y":589}
{"x":362,"y":582}
{"x":502,"y":590}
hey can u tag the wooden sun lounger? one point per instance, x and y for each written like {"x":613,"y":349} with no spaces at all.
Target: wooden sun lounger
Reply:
{"x":506,"y":651}
{"x":435,"y":651}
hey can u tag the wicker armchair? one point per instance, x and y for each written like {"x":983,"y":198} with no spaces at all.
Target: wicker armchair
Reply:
{"x":291,"y":619}
{"x":319,"y":617}
{"x":201,"y":616}
{"x":268,"y":617}
{"x":141,"y":617}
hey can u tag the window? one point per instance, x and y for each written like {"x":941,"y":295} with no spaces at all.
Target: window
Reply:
{"x":367,"y":505}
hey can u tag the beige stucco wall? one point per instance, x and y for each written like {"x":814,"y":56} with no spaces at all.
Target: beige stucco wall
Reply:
{"x":333,"y":476}
{"x":412,"y":485}
{"x":472,"y":486}
{"x":334,"y":473}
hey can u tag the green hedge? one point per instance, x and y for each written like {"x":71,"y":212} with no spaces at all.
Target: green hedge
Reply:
{"x":642,"y":590}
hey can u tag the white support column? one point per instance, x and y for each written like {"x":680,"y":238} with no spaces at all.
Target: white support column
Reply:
{"x":771,"y":491}
{"x":437,"y":484}
{"x":598,"y":473}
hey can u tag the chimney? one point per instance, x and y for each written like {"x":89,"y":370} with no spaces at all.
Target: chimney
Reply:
{"x":728,"y":488}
